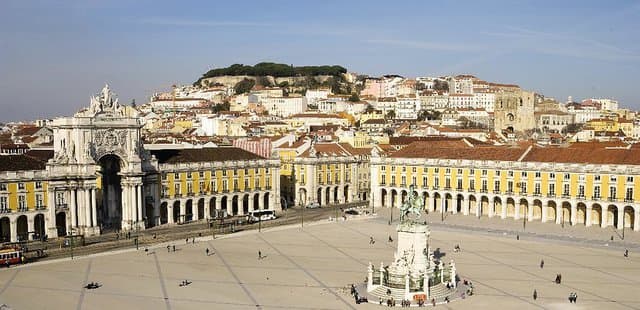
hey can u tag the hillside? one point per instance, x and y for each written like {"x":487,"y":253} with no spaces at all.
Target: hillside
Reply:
{"x":294,"y":79}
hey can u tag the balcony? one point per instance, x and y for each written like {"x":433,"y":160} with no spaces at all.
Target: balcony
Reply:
{"x":471,"y":190}
{"x":177,"y":195}
{"x":566,"y":195}
{"x":484,"y":190}
{"x":510,"y":192}
{"x":435,"y":187}
{"x":41,"y":207}
{"x":392,"y":184}
{"x":612,"y":198}
{"x":628,"y":199}
{"x":225,"y":190}
{"x":447,"y":188}
{"x":596,"y":197}
{"x":267,"y":187}
{"x":523,"y":193}
{"x":459,"y":189}
{"x":496,"y":191}
{"x":551,"y":195}
{"x":5,"y":210}
{"x":581,"y":197}
{"x":425,"y":186}
{"x":537,"y":194}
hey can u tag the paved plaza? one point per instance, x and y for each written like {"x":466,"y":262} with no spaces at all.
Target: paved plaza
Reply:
{"x":310,"y":268}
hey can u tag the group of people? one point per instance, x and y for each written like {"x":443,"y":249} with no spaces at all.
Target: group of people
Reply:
{"x":573,"y":297}
{"x":456,"y":248}
{"x":356,"y":296}
{"x":184,"y":283}
{"x":171,"y":248}
{"x":92,"y":285}
{"x":558,"y":278}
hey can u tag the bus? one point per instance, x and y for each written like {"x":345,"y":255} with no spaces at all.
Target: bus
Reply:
{"x":10,"y":256}
{"x":261,"y":215}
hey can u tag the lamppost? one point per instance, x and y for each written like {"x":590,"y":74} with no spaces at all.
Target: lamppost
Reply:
{"x":302,"y":206}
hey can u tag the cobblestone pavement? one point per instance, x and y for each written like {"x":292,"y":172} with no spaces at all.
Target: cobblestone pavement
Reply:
{"x":311,"y":268}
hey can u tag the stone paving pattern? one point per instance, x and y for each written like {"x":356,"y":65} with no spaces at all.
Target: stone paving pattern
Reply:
{"x":311,"y":268}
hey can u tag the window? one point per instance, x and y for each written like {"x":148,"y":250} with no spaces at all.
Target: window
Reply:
{"x":523,"y":187}
{"x":38,"y":184}
{"x":38,"y":200}
{"x":413,"y":169}
{"x":393,"y":180}
{"x":613,"y":179}
{"x":448,"y":171}
{"x":59,"y":198}
{"x":404,"y":180}
{"x":404,"y":169}
{"x":628,"y":196}
{"x":436,"y":170}
{"x":246,"y":171}
{"x":393,"y":168}
{"x":256,"y":170}
{"x":597,"y":178}
{"x":496,"y":186}
{"x":236,"y":186}
{"x":498,"y":172}
{"x":459,"y":184}
{"x":164,"y":177}
{"x":3,"y":186}
{"x":165,"y":191}
{"x":176,"y":176}
{"x":256,"y":183}
{"x":510,"y":173}
{"x":484,"y":185}
{"x":510,"y":186}
{"x":3,"y":203}
{"x":523,"y":174}
{"x":413,"y":180}
{"x":612,"y":192}
{"x":567,"y":177}
{"x":552,"y":189}
{"x":225,"y":185}
{"x":189,"y":175}
{"x":22,"y":206}
{"x":552,"y":175}
{"x":565,"y":190}
{"x":472,"y":184}
{"x":21,"y":186}
{"x":538,"y":174}
{"x":224,"y":173}
{"x":177,"y":189}
{"x":383,"y":168}
{"x":484,"y":172}
{"x":201,"y":174}
{"x":384,"y":179}
{"x":436,"y":182}
{"x":581,"y":191}
{"x":536,"y":189}
{"x":472,"y":171}
{"x":201,"y":186}
{"x":629,"y":179}
{"x":596,"y":192}
{"x":459,"y":171}
{"x":189,"y":187}
{"x":447,"y":183}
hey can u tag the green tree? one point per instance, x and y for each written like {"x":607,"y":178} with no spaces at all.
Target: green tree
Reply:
{"x":369,"y":109}
{"x":391,"y":114}
{"x":354,"y":97}
{"x":244,"y":86}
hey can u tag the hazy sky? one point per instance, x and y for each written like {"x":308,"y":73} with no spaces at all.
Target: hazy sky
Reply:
{"x":55,"y":54}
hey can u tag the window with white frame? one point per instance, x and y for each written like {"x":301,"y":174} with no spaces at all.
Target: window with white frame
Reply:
{"x":596,"y":192}
{"x":22,"y":203}
{"x":3,"y":203}
{"x":39,"y":201}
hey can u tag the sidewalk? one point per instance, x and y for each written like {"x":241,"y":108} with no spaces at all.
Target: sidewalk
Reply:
{"x":591,"y":236}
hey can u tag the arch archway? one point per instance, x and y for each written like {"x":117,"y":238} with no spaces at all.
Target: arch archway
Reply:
{"x":188,"y":212}
{"x":437,"y":202}
{"x":234,"y":205}
{"x":200,"y":209}
{"x":581,"y":213}
{"x":383,"y":197}
{"x":497,"y":206}
{"x":265,"y":200}
{"x":245,"y":204}
{"x":346,"y":194}
{"x":524,"y":209}
{"x":22,"y":227}
{"x":394,"y":197}
{"x":629,"y":217}
{"x":596,"y":214}
{"x":565,"y":216}
{"x":61,"y":223}
{"x":109,"y":208}
{"x":212,"y":208}
{"x":448,"y":203}
{"x":612,"y":215}
{"x":511,"y":207}
{"x":176,"y":212}
{"x":425,"y":200}
{"x":459,"y":202}
{"x":256,"y":201}
{"x":473,"y":204}
{"x":224,"y":206}
{"x":551,"y":211}
{"x":537,"y":210}
{"x":5,"y":229}
{"x":319,"y":196}
{"x":164,"y":215}
{"x":484,"y":206}
{"x":335,"y":194}
{"x":302,"y":200}
{"x":38,"y":225}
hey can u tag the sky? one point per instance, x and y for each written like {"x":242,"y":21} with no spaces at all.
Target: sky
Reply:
{"x":55,"y":54}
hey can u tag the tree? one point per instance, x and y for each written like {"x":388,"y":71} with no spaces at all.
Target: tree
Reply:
{"x":369,"y":109}
{"x":133,"y":103}
{"x":225,"y":106}
{"x":354,"y":97}
{"x":440,"y":85}
{"x":244,"y":86}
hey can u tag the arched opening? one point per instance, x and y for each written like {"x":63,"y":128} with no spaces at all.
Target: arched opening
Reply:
{"x":212,"y":208}
{"x":612,"y":216}
{"x":335,"y":195}
{"x":23,"y":227}
{"x":383,"y":197}
{"x":266,"y":201}
{"x":176,"y":212}
{"x":484,"y":206}
{"x":245,"y":204}
{"x":447,"y":203}
{"x":319,"y":196}
{"x":38,"y":226}
{"x":473,"y":204}
{"x":256,"y":201}
{"x":149,"y":215}
{"x":551,"y":211}
{"x":524,"y":209}
{"x":537,"y":210}
{"x":5,"y":229}
{"x":565,"y":216}
{"x":511,"y":207}
{"x":200,"y":209}
{"x":188,"y":212}
{"x":345,"y":194}
{"x":629,"y":217}
{"x":459,"y":202}
{"x":61,"y":224}
{"x":437,"y":202}
{"x":223,"y":206}
{"x":403,"y":197}
{"x":394,"y":197}
{"x":364,"y":196}
{"x":596,"y":214}
{"x":581,"y":215}
{"x":425,"y":200}
{"x":234,"y":205}
{"x":109,"y":208}
{"x":164,"y":213}
{"x":497,"y":206}
{"x":327,"y":195}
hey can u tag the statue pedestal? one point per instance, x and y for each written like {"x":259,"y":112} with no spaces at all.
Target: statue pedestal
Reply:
{"x":413,"y":243}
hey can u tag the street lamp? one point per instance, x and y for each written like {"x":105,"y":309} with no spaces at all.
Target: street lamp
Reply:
{"x":302,"y":206}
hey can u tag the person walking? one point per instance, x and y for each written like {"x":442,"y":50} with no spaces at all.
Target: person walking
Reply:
{"x":541,"y":263}
{"x":207,"y":251}
{"x":371,"y":241}
{"x":535,"y":294}
{"x":259,"y":254}
{"x":168,"y":248}
{"x":626,"y":252}
{"x":174,"y":247}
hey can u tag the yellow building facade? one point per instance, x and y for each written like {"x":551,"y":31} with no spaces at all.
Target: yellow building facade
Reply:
{"x":598,"y":188}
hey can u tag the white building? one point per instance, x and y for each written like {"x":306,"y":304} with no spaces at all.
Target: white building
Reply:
{"x":462,"y":84}
{"x":461,"y":101}
{"x":584,"y":114}
{"x":606,"y":104}
{"x":284,"y":106}
{"x":407,"y":107}
{"x":484,"y":99}
{"x":432,"y":100}
{"x":315,"y":95}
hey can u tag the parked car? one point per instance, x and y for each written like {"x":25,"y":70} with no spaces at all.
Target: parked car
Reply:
{"x":313,"y":205}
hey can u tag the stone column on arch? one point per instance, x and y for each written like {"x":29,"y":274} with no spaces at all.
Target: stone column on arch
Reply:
{"x":636,"y":219}
{"x":544,"y":213}
{"x":574,"y":213}
{"x":94,"y":215}
{"x":530,"y":209}
{"x":504,"y":206}
{"x":207,"y":207}
{"x":140,"y":203}
{"x":588,"y":219}
{"x":14,"y":230}
{"x":620,"y":216}
{"x":170,"y":203}
{"x":87,"y":207}
{"x":73,"y":208}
